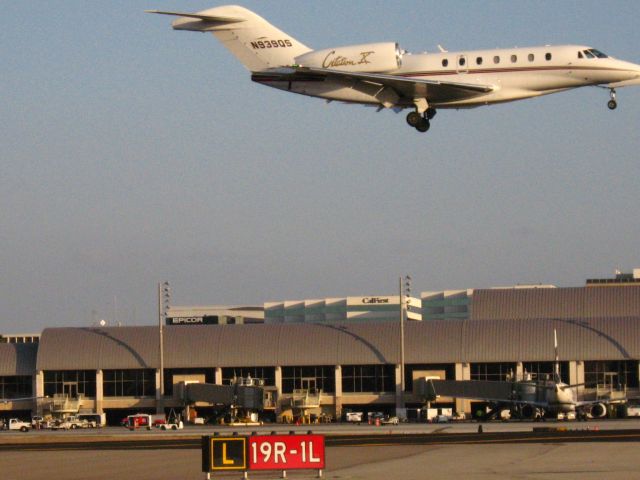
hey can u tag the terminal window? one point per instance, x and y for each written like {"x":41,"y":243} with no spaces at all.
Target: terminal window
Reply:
{"x":70,"y":383}
{"x":268,"y":374}
{"x":368,"y":378}
{"x":129,"y":383}
{"x":611,"y":373}
{"x":16,"y":387}
{"x":492,"y":371}
{"x":308,"y":378}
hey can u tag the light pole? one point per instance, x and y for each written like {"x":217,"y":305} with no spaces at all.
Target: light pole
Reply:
{"x":164,"y":300}
{"x":404,"y":297}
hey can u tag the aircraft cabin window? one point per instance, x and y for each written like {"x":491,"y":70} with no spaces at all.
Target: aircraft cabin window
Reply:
{"x":496,"y":59}
{"x":531,"y":57}
{"x":445,"y":62}
{"x":461,"y":61}
{"x":514,"y":58}
{"x":548,"y":56}
{"x":479,"y":60}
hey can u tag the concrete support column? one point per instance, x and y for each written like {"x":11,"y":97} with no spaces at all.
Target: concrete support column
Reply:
{"x":159,"y":399}
{"x":399,"y":393}
{"x":463,"y":372}
{"x":519,"y":371}
{"x":576,"y":376}
{"x":38,"y":392}
{"x":278,"y":385}
{"x":338,"y":393}
{"x":218,"y":376}
{"x":99,"y":391}
{"x":278,"y":380}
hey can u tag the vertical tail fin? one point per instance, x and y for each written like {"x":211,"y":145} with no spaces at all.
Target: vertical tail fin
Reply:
{"x":249,"y":37}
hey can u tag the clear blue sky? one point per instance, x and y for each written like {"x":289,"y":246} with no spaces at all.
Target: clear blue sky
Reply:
{"x":131,"y":154}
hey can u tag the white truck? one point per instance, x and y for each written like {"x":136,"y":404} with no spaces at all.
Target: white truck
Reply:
{"x":354,"y":417}
{"x":69,"y":423}
{"x":17,"y":424}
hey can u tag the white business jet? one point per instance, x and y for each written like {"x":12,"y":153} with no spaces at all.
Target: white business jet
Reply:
{"x":383,"y":75}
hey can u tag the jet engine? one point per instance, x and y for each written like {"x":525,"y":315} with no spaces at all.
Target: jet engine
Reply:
{"x":369,"y":57}
{"x":598,"y":410}
{"x":528,"y":412}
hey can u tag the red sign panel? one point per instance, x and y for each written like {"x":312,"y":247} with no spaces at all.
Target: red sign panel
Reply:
{"x":286,"y":452}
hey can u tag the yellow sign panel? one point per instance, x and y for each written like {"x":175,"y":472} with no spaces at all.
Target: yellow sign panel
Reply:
{"x":228,"y":453}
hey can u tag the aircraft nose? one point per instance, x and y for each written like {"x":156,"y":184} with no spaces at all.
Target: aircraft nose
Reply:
{"x":633,"y":68}
{"x":627,"y":74}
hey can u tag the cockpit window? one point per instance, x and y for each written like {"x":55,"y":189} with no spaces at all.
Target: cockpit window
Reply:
{"x":593,"y":53}
{"x":598,"y":53}
{"x":580,"y":55}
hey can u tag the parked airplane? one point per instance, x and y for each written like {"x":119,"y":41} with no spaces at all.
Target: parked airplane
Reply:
{"x":525,"y":397}
{"x":385,"y":76}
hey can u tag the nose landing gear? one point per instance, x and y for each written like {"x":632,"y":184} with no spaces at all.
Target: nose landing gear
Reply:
{"x":612,"y":104}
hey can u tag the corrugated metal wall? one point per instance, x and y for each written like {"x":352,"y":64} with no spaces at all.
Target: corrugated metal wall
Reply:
{"x":579,"y":302}
{"x":18,"y":358}
{"x":442,"y":341}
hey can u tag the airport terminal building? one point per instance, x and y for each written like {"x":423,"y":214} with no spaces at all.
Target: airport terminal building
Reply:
{"x":343,"y":365}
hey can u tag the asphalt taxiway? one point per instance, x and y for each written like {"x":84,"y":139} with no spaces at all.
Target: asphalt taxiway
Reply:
{"x":602,"y":449}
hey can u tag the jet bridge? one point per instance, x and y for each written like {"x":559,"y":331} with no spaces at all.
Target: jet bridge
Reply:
{"x":238,"y":395}
{"x":429,"y":389}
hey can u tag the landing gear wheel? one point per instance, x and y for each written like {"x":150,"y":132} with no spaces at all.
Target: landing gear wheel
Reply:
{"x":423,"y":125}
{"x":430,"y":113}
{"x":612,"y":104}
{"x":413,"y":119}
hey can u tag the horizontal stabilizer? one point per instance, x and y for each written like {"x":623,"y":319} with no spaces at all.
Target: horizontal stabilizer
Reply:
{"x":200,"y":16}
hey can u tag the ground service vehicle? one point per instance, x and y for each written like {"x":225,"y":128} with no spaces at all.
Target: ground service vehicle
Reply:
{"x":93,"y":420}
{"x":355,"y":417}
{"x":69,"y":423}
{"x":139,"y":420}
{"x":17,"y":424}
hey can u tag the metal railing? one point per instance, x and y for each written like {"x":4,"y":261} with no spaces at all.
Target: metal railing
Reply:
{"x":62,"y":403}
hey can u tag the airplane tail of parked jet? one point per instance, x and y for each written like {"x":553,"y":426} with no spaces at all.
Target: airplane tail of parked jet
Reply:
{"x":250,"y":38}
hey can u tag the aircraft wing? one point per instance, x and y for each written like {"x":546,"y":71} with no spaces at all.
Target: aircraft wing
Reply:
{"x":604,"y":401}
{"x":435,"y":91}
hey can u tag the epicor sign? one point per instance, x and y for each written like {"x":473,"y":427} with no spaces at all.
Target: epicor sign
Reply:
{"x":286,"y":452}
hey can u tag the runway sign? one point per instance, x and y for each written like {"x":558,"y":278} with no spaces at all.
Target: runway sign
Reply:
{"x":286,"y":452}
{"x":224,"y":453}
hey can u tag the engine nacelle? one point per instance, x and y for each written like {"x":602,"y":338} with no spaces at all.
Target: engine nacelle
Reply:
{"x":598,"y":410}
{"x":528,"y":412}
{"x":369,"y":57}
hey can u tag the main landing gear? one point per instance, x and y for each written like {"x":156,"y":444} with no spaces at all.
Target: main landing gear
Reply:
{"x":612,"y":104}
{"x":422,"y":123}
